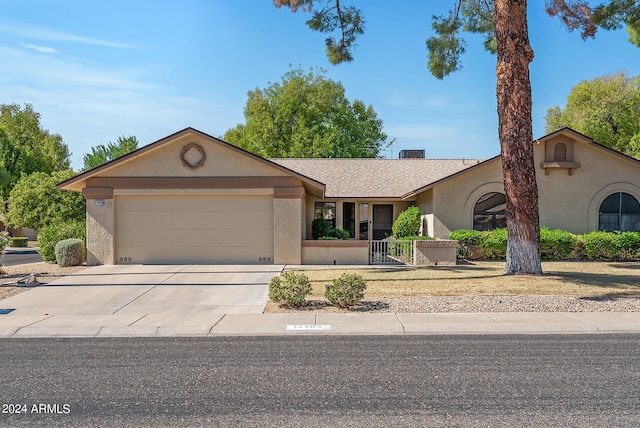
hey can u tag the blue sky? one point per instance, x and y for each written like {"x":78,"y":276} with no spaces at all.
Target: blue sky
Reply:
{"x":98,"y":70}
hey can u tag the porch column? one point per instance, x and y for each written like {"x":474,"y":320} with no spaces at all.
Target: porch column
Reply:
{"x":287,"y":225}
{"x":100,"y":226}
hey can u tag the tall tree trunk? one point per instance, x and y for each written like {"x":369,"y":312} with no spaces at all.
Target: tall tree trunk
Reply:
{"x":516,"y":135}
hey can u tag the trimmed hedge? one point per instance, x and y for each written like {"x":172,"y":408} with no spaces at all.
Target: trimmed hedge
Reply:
{"x":50,"y":235}
{"x":554,"y":245}
{"x":18,"y":241}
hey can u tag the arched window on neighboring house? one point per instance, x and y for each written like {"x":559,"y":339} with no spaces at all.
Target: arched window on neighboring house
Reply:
{"x":619,"y":211}
{"x":490,"y":212}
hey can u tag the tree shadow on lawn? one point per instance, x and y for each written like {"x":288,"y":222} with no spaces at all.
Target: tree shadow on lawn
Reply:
{"x":626,"y":284}
{"x":626,"y":265}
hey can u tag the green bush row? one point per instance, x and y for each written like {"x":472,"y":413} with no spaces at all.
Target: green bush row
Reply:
{"x":291,"y":289}
{"x":554,"y":245}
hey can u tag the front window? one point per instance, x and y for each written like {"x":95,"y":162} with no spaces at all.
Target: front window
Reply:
{"x":327,"y":211}
{"x":619,"y":212}
{"x":364,"y":221}
{"x":490,"y":212}
{"x":349,"y":218}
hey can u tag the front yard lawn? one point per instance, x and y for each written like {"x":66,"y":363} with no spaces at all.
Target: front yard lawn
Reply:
{"x":477,"y":278}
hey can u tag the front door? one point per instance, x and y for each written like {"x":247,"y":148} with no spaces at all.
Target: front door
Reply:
{"x":382,"y":221}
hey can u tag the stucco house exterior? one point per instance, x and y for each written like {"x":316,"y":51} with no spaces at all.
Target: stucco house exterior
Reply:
{"x":192,"y":198}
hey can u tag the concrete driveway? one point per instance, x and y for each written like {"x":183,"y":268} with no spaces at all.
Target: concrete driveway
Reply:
{"x":142,"y":290}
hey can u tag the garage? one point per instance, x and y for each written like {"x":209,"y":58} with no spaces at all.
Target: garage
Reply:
{"x":200,"y":228}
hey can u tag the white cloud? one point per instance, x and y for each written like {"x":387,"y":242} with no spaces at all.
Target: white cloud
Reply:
{"x":31,"y":32}
{"x":43,"y":49}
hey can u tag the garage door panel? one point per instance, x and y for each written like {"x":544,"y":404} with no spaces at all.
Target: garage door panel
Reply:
{"x":194,"y":229}
{"x":187,"y":220}
{"x":179,"y":203}
{"x":199,"y":238}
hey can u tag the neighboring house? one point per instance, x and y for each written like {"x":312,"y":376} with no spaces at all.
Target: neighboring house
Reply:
{"x":192,"y":198}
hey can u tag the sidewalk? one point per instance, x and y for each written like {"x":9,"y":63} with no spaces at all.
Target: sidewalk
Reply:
{"x":202,"y":325}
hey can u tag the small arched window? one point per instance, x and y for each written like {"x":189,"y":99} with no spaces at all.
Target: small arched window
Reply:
{"x":490,"y":212}
{"x":619,"y":211}
{"x":560,"y":152}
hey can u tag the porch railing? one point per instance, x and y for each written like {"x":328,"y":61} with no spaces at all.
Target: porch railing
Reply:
{"x":390,"y":251}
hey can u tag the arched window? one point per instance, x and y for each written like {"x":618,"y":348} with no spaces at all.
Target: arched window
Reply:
{"x":490,"y":212}
{"x":619,"y":211}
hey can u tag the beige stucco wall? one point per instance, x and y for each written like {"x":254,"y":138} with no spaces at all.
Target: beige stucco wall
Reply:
{"x":221,"y":161}
{"x":165,"y":161}
{"x":349,"y":252}
{"x":435,"y":253}
{"x":568,"y":202}
{"x":449,"y":205}
{"x":571,"y":202}
{"x":100,"y":232}
{"x":287,"y":217}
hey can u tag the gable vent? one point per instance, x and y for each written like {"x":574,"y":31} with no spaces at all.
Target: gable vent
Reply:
{"x":560,"y":152}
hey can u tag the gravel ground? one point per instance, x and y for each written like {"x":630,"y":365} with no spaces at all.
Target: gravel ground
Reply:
{"x":43,"y":272}
{"x":468,"y":304}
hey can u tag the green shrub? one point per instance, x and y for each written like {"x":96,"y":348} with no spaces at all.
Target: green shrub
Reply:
{"x":494,"y":244}
{"x":598,"y":245}
{"x":345,"y":291}
{"x":470,"y":242}
{"x":337,"y":234}
{"x":319,"y":228}
{"x":629,"y":244}
{"x":557,"y":244}
{"x":554,"y":244}
{"x":407,"y":223}
{"x":290,"y":289}
{"x":18,"y":241}
{"x":70,"y":252}
{"x":50,"y":235}
{"x":611,"y":245}
{"x":417,"y":238}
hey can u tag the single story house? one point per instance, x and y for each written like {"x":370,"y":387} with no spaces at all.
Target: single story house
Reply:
{"x":193,"y":198}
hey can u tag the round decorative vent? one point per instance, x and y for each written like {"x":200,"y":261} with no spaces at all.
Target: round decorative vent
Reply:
{"x":193,"y":156}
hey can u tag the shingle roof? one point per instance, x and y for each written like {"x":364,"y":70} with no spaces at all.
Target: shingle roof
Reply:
{"x":375,"y":178}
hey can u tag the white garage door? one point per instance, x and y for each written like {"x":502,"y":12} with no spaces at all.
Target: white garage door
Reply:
{"x":175,"y":229}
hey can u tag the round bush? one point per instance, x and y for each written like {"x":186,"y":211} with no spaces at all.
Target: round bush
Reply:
{"x":70,"y":252}
{"x":345,"y":291}
{"x":290,"y":289}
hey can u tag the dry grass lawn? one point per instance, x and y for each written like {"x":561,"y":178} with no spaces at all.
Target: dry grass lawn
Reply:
{"x":476,"y":278}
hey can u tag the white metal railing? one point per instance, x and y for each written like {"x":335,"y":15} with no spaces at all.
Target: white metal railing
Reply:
{"x":390,"y":251}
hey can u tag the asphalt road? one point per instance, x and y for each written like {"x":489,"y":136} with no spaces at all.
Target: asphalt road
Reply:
{"x":574,"y":380}
{"x":20,"y":258}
